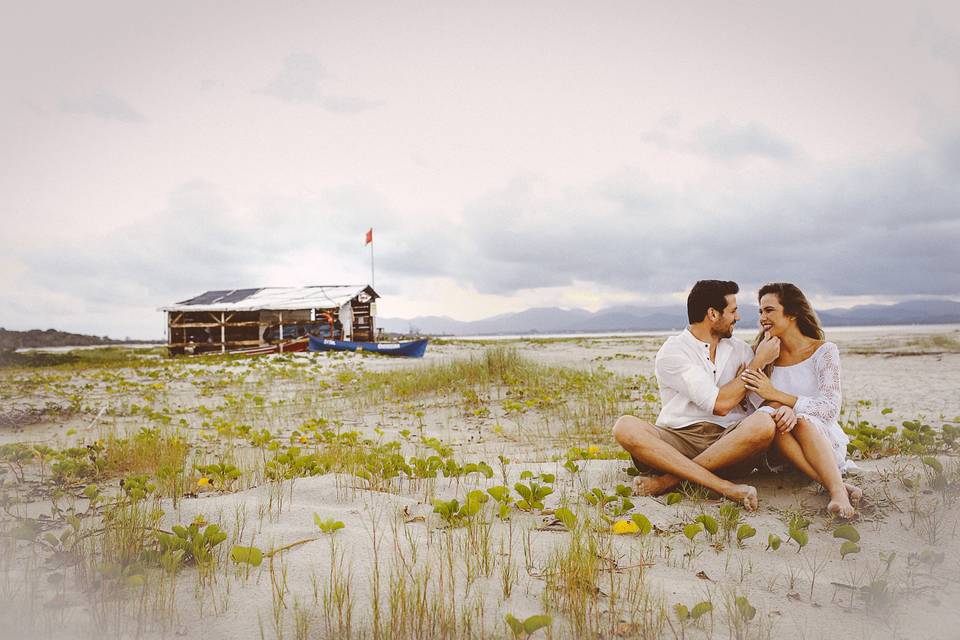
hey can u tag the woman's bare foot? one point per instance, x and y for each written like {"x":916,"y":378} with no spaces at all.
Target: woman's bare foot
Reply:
{"x":745,"y":495}
{"x":854,"y":493}
{"x":840,"y":506}
{"x":649,"y":485}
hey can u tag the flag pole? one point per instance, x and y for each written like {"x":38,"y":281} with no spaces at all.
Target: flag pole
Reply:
{"x":371,"y":265}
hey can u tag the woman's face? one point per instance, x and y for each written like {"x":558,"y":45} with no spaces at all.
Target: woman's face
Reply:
{"x":772,"y":319}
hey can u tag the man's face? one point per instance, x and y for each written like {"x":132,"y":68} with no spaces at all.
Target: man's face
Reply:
{"x":723,"y":326}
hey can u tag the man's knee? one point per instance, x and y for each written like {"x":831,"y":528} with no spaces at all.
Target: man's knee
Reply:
{"x":628,"y":430}
{"x":760,"y":427}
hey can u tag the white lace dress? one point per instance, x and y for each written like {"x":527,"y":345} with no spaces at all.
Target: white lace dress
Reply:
{"x":816,"y":383}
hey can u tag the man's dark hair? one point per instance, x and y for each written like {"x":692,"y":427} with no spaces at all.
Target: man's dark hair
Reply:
{"x":708,"y":294}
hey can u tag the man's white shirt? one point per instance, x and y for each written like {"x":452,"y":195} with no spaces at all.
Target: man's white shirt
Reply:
{"x":690,"y":382}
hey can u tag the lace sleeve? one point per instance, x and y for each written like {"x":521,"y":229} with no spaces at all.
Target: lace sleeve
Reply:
{"x":826,"y":404}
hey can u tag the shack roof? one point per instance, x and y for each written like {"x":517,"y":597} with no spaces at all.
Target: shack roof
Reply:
{"x":274,"y":298}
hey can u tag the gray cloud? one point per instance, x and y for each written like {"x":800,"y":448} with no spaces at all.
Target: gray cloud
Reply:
{"x":102,"y":105}
{"x":304,"y":80}
{"x":727,"y":141}
{"x":195,"y":242}
{"x":890,"y":229}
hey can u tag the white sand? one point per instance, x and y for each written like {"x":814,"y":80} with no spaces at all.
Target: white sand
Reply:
{"x":922,"y":601}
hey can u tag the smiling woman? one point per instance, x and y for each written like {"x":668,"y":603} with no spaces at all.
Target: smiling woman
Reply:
{"x":801,"y":388}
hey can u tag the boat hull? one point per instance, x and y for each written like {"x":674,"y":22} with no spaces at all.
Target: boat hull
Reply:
{"x":412,"y":349}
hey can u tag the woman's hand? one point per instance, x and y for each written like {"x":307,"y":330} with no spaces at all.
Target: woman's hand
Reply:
{"x":785,"y":419}
{"x":759,"y":382}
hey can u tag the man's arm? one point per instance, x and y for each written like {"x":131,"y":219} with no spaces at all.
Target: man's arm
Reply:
{"x":732,"y":393}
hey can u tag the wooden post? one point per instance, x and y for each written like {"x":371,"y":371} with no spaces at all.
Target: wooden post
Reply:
{"x":223,"y":333}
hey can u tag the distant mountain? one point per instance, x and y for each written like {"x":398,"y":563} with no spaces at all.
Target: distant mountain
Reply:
{"x":661,"y":318}
{"x":52,"y":338}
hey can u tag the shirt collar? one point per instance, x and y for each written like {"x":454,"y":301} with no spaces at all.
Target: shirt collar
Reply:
{"x":695,"y":341}
{"x":724,"y":347}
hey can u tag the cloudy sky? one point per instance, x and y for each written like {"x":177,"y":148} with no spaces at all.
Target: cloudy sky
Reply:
{"x":507,"y":154}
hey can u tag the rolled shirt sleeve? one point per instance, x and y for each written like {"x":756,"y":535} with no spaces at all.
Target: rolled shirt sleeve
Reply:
{"x":688,"y":379}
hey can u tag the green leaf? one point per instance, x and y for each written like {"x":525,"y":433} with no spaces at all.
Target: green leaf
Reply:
{"x":848,"y":547}
{"x":886,"y":411}
{"x":746,"y":610}
{"x":500,"y":493}
{"x":515,"y":625}
{"x":533,"y":623}
{"x":246,"y":555}
{"x":524,"y":491}
{"x":623,"y":491}
{"x":681,"y":611}
{"x":847,"y":532}
{"x":800,"y":537}
{"x":709,"y":523}
{"x":933,"y":463}
{"x":567,"y":517}
{"x":745,"y":531}
{"x":26,"y":530}
{"x":701,"y":608}
{"x":773,"y":541}
{"x":691,"y":530}
{"x":136,"y":580}
{"x":642,"y":522}
{"x":673,"y":498}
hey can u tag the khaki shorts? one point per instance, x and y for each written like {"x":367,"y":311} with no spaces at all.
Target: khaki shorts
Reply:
{"x":694,"y":439}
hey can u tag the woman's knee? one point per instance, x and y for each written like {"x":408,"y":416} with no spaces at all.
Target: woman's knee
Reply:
{"x":803,"y":427}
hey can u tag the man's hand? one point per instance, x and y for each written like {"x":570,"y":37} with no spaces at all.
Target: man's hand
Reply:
{"x":785,"y":418}
{"x":768,"y":350}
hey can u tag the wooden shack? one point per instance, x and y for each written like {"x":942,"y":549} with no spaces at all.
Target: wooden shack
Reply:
{"x":243,"y":319}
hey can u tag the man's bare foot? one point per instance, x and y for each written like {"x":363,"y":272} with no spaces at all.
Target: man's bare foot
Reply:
{"x":745,"y":495}
{"x":840,"y":506}
{"x":649,"y":485}
{"x":854,"y":493}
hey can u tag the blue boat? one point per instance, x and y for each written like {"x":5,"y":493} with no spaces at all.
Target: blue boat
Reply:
{"x":412,"y":349}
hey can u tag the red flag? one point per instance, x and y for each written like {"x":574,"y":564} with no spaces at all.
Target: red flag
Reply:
{"x":369,"y":237}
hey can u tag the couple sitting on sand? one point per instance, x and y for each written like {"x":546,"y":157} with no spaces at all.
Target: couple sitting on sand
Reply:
{"x":724,"y":405}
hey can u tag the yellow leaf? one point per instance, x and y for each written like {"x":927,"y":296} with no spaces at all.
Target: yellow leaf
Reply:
{"x":593,"y":449}
{"x":203,"y":482}
{"x":622,"y":527}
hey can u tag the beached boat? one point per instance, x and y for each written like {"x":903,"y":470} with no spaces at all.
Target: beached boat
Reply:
{"x":412,"y":349}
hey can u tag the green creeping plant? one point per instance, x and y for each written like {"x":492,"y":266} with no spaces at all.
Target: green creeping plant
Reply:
{"x":327,"y":526}
{"x":533,"y":492}
{"x":192,"y":543}
{"x":456,"y":514}
{"x":526,"y":628}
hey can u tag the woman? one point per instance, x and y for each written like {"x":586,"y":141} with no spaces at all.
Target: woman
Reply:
{"x":804,"y":385}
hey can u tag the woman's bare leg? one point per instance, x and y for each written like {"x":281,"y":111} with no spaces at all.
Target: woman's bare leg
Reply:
{"x":792,"y":451}
{"x":819,"y":455}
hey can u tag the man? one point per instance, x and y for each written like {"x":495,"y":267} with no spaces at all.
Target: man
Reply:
{"x":705,"y":422}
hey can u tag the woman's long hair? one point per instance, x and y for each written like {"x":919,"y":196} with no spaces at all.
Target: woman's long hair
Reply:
{"x":796,"y":306}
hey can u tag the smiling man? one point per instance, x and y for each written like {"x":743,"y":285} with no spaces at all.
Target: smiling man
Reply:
{"x":705,"y":423}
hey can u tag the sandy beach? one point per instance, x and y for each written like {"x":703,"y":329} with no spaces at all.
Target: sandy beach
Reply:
{"x":330,"y":479}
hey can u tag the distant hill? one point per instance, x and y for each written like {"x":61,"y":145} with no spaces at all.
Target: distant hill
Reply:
{"x":52,"y":338}
{"x":662,"y":318}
